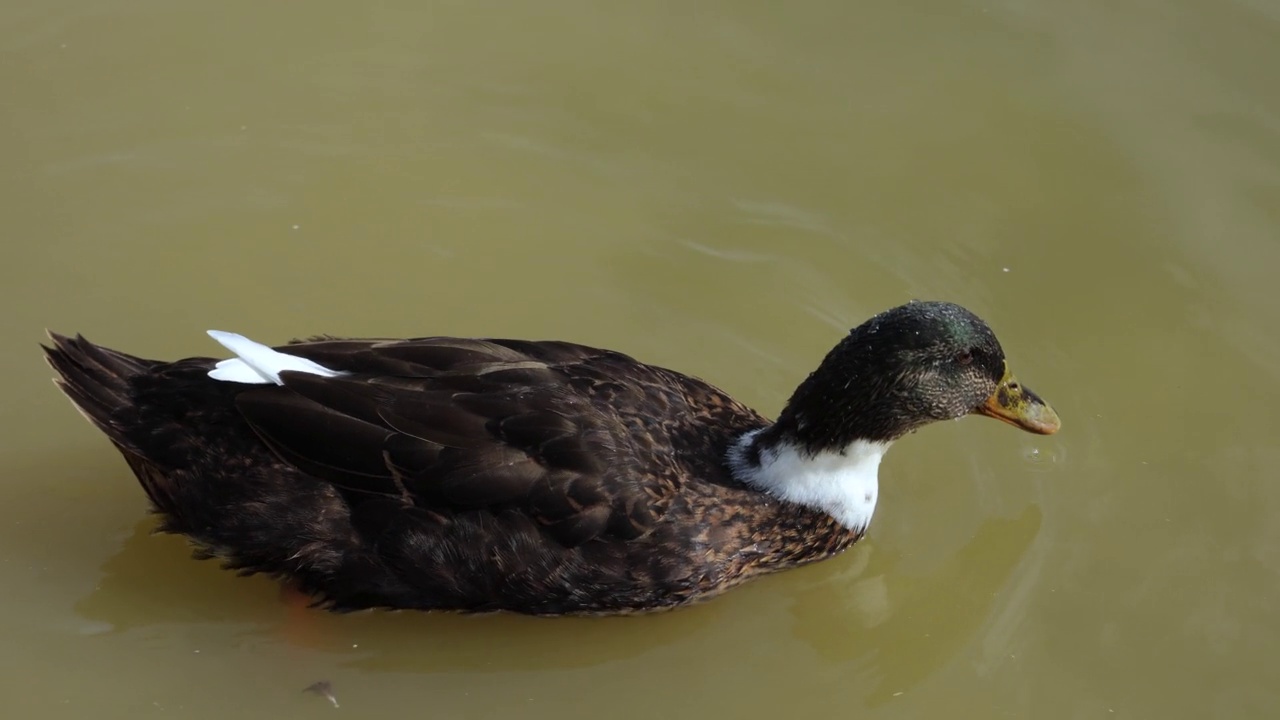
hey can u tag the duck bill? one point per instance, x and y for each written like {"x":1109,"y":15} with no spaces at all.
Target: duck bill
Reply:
{"x":1018,"y":406}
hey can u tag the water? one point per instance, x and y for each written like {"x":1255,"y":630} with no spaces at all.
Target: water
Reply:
{"x":722,"y":189}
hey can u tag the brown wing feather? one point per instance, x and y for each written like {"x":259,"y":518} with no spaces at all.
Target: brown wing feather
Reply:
{"x":457,"y":424}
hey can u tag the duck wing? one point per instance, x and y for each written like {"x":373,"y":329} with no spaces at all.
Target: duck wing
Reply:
{"x":447,"y":425}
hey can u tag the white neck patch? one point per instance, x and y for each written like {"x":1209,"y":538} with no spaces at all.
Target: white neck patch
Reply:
{"x":843,"y":484}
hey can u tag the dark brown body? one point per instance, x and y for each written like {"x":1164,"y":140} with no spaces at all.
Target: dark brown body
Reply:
{"x":442,"y":473}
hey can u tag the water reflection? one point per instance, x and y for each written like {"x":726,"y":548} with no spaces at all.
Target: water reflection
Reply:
{"x":894,"y":627}
{"x":898,"y":628}
{"x":152,"y":581}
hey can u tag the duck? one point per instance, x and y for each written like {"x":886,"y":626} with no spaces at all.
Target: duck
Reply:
{"x":534,"y":477}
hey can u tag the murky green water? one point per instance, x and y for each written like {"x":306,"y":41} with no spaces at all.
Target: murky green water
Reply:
{"x":721,"y":188}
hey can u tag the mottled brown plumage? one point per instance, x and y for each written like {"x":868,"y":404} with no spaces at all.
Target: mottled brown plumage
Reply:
{"x":450,"y":473}
{"x":461,"y":474}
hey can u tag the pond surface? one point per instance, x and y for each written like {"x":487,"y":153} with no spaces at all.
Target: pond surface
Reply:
{"x":724,"y":189}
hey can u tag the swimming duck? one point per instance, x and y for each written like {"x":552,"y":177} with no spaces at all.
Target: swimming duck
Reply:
{"x":545,"y":478}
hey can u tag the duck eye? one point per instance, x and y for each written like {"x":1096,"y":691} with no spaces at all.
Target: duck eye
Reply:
{"x":964,"y":357}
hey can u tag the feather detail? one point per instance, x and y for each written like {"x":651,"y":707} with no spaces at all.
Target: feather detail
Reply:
{"x":258,"y":364}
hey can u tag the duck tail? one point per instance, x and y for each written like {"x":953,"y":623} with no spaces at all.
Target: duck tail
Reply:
{"x":98,"y":381}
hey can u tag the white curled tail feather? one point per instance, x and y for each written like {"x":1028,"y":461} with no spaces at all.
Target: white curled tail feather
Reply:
{"x":256,"y":363}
